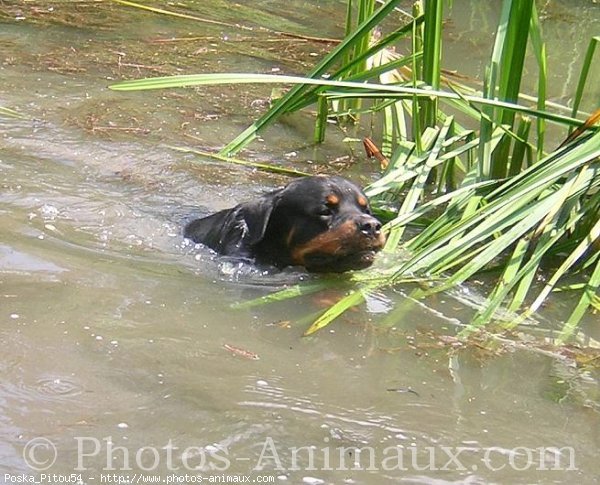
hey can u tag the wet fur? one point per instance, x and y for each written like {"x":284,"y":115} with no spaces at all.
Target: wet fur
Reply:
{"x":323,"y":223}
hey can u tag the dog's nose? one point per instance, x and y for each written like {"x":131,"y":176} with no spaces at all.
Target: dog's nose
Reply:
{"x":369,"y":226}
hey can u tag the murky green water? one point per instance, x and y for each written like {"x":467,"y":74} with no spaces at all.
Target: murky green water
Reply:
{"x":119,"y":345}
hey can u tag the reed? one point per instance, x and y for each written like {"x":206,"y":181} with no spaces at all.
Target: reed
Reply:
{"x":490,"y":195}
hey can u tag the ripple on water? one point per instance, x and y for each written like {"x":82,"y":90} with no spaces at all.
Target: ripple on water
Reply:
{"x":47,"y":388}
{"x":57,"y":386}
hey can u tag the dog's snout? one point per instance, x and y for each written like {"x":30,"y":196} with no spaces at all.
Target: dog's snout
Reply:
{"x":369,"y":226}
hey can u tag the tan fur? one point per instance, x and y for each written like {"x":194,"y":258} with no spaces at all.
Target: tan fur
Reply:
{"x":342,"y":240}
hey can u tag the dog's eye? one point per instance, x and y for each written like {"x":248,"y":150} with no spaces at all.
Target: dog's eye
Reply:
{"x":325,"y":211}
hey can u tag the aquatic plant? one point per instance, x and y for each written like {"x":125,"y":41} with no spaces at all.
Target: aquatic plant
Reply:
{"x":491,"y":195}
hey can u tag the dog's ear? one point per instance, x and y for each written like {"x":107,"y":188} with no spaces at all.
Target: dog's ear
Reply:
{"x":256,"y":215}
{"x":234,"y":231}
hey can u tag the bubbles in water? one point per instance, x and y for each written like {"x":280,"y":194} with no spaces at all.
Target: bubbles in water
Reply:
{"x":48,"y":212}
{"x":134,"y":240}
{"x":312,"y":480}
{"x":229,"y":268}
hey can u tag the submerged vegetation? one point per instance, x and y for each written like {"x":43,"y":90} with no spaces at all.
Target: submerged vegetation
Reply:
{"x":474,"y":166}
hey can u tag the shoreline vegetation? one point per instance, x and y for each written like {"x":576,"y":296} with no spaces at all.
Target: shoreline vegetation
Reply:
{"x":474,"y":166}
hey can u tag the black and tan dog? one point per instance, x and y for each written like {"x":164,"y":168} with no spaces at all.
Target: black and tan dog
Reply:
{"x":323,"y":223}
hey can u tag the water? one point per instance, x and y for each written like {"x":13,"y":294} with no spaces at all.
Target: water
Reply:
{"x":119,"y":342}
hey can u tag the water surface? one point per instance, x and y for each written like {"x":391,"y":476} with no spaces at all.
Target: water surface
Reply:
{"x":117,"y":333}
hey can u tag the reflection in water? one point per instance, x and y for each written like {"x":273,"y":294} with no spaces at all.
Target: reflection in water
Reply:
{"x":16,"y":261}
{"x":115,"y":329}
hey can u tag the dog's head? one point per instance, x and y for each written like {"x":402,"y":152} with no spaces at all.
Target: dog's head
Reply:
{"x":323,"y":223}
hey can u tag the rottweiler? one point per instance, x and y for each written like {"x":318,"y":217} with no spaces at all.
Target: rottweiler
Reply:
{"x":323,"y":223}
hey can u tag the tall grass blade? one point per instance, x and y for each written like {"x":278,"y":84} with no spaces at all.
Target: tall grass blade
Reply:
{"x":285,"y":294}
{"x":9,"y":113}
{"x":511,"y":72}
{"x":539,"y":49}
{"x":588,"y":297}
{"x":321,"y":68}
{"x":575,"y":256}
{"x":585,"y":71}
{"x":257,"y":165}
{"x":432,"y":55}
{"x":364,"y":90}
{"x":353,"y":298}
